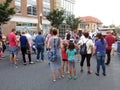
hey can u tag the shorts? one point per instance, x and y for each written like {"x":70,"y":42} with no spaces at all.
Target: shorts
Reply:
{"x":13,"y":50}
{"x":64,"y":60}
{"x":71,"y":63}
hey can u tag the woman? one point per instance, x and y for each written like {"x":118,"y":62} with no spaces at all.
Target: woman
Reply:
{"x":100,"y":50}
{"x":89,"y":45}
{"x":55,"y":43}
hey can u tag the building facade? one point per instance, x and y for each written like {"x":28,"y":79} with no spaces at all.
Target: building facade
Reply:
{"x":89,"y":23}
{"x":31,"y":14}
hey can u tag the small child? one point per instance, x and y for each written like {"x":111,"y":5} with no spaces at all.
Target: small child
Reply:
{"x":71,"y":51}
{"x":1,"y":53}
{"x":64,"y":58}
{"x":34,"y":48}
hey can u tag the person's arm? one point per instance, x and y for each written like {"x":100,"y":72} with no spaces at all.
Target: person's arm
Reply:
{"x":61,"y":43}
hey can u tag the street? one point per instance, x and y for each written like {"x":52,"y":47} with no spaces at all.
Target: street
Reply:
{"x":38,"y":76}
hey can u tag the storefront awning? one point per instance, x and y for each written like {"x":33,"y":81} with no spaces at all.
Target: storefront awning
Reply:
{"x":28,"y":20}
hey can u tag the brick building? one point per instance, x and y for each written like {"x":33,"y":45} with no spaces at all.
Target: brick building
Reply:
{"x":30,"y":14}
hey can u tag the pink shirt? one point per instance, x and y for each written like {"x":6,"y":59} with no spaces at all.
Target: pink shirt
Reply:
{"x":12,"y":39}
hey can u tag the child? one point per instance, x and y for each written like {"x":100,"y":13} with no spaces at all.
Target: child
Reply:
{"x":34,"y":48}
{"x":1,"y":53}
{"x":64,"y":58}
{"x":71,"y":51}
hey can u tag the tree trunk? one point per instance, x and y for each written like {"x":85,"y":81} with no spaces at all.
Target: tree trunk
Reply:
{"x":1,"y":32}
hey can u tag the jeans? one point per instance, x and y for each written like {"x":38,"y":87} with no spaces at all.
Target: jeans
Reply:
{"x":40,"y":49}
{"x":100,"y":56}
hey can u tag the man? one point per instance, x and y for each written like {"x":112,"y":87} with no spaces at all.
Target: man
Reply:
{"x":40,"y":43}
{"x":24,"y":48}
{"x":110,"y":40}
{"x":13,"y":48}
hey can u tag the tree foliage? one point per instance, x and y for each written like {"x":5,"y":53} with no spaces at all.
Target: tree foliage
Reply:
{"x":72,"y":22}
{"x":56,"y":17}
{"x":5,"y":11}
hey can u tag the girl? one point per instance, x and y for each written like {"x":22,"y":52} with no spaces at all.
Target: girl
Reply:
{"x":100,"y":49}
{"x":64,"y":58}
{"x":71,"y":59}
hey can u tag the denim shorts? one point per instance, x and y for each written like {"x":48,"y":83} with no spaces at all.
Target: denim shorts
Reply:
{"x":13,"y":50}
{"x":71,"y":63}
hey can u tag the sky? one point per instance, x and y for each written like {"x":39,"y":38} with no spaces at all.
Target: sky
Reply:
{"x":105,"y":10}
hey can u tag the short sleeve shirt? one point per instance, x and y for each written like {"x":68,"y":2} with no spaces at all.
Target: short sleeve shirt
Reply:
{"x":71,"y":54}
{"x":88,"y":42}
{"x":12,"y":39}
{"x":100,"y":47}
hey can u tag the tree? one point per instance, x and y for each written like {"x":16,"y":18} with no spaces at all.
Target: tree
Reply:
{"x":5,"y":12}
{"x":56,"y":17}
{"x":72,"y":22}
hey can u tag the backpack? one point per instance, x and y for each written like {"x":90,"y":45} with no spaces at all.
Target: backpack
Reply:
{"x":83,"y":48}
{"x":52,"y":54}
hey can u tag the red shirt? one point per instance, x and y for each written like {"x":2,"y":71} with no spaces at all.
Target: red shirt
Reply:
{"x":64,"y":54}
{"x":12,"y":39}
{"x":110,"y":40}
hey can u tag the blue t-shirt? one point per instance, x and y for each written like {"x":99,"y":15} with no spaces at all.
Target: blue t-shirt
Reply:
{"x":71,"y":54}
{"x":100,"y":47}
{"x":39,"y":40}
{"x":23,"y":41}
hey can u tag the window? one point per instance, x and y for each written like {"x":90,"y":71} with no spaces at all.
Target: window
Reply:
{"x":46,"y":7}
{"x":18,"y":6}
{"x":47,"y":1}
{"x":31,"y":7}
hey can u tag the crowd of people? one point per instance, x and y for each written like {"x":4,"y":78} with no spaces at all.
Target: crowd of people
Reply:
{"x":68,"y":50}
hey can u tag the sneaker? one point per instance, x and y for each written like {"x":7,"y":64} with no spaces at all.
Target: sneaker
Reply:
{"x":61,"y":76}
{"x":67,"y":72}
{"x":104,"y":74}
{"x":24,"y":63}
{"x":37,"y":60}
{"x":16,"y":66}
{"x":70,"y":77}
{"x":97,"y":74}
{"x":89,"y":72}
{"x":75,"y":77}
{"x":31,"y":62}
{"x":54,"y":80}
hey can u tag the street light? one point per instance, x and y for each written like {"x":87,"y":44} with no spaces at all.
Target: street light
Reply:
{"x":40,"y":21}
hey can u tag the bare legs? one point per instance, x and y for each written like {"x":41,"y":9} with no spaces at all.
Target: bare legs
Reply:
{"x":65,"y":64}
{"x":54,"y":74}
{"x":13,"y":58}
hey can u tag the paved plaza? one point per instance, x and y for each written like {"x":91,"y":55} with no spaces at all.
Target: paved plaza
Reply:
{"x":38,"y":76}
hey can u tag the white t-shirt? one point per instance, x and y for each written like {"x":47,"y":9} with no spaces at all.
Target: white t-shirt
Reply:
{"x":88,"y":42}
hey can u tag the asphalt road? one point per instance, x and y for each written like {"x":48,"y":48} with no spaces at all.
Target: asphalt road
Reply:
{"x":38,"y":76}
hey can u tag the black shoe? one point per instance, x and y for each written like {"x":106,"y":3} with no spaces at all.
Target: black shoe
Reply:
{"x":81,"y":70}
{"x":104,"y":74}
{"x":107,"y":63}
{"x":24,"y":63}
{"x":97,"y":74}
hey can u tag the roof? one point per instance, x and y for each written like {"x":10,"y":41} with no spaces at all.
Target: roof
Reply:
{"x":90,"y":19}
